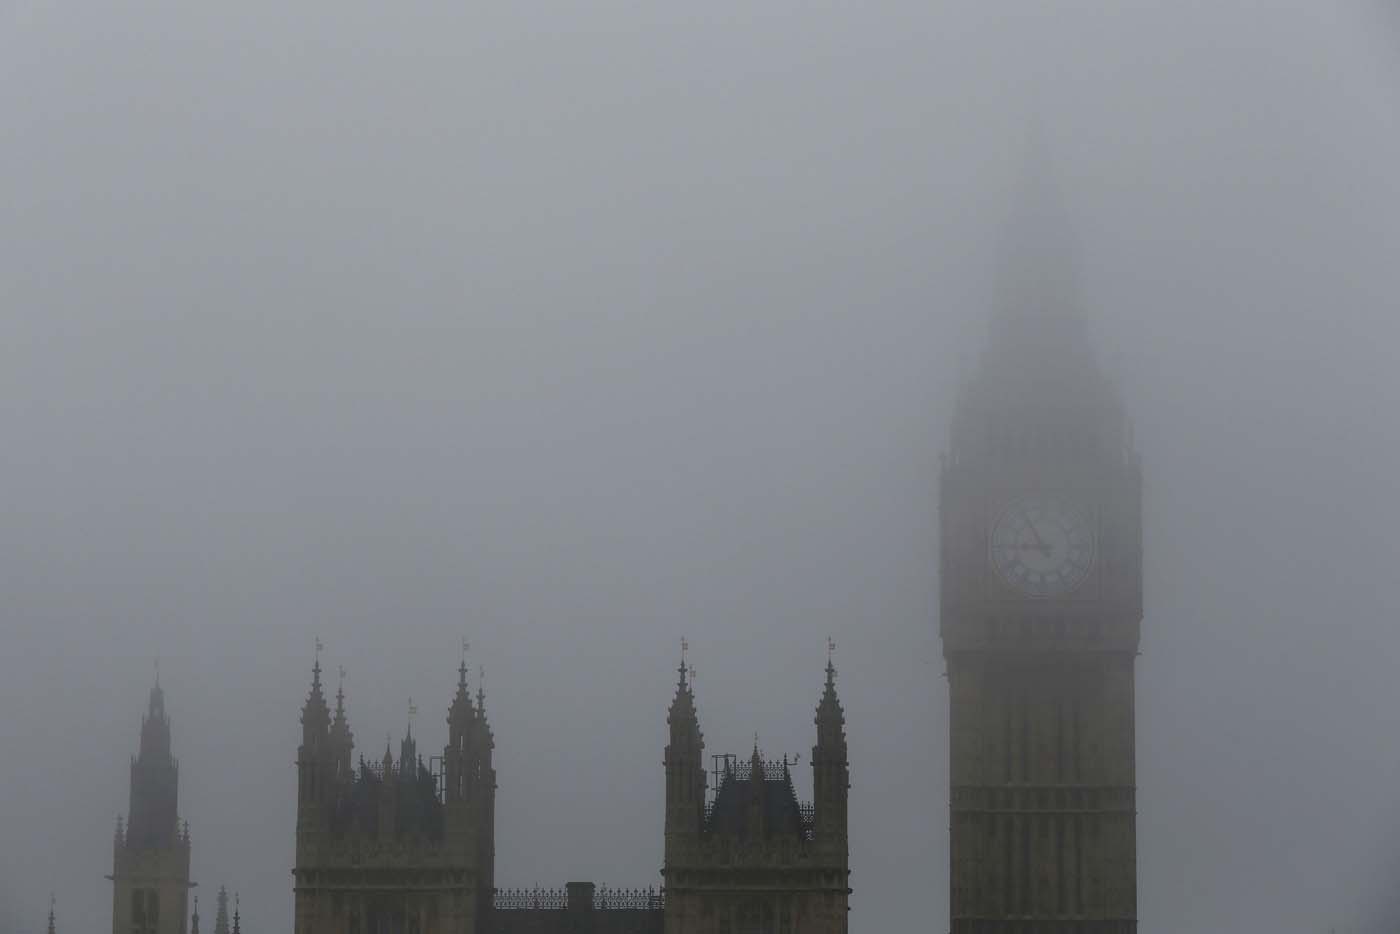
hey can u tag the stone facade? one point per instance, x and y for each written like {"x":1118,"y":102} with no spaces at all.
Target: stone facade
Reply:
{"x":394,"y":847}
{"x":1041,"y":605}
{"x":151,"y":854}
{"x":753,"y":859}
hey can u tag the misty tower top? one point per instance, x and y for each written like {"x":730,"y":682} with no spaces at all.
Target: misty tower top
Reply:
{"x":1038,"y":375}
{"x":154,"y":780}
{"x":1040,"y":608}
{"x":151,"y":856}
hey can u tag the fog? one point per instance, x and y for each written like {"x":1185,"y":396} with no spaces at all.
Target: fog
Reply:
{"x":576,"y":329}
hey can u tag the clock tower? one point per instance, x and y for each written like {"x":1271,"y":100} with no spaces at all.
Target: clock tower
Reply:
{"x":1040,"y":612}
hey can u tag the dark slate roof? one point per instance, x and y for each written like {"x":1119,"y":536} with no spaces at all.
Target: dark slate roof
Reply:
{"x":730,"y":813}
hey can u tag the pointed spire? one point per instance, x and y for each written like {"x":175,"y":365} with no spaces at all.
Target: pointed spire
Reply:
{"x":194,"y":918}
{"x":682,"y":713}
{"x":156,"y":708}
{"x":52,"y":902}
{"x":408,"y":749}
{"x":1038,"y":282}
{"x":237,"y":924}
{"x":460,"y":713}
{"x":221,"y":912}
{"x":830,"y":716}
{"x":481,"y":691}
{"x":340,"y":695}
{"x":316,"y":714}
{"x":1038,"y":384}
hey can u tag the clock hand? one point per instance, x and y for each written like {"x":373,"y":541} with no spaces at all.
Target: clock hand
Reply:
{"x":1040,"y":545}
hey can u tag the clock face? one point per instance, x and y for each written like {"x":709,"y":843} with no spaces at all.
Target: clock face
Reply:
{"x":1042,"y":547}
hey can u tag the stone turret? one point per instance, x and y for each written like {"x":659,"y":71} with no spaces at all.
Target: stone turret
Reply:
{"x":685,"y":765}
{"x":151,"y":853}
{"x":831,"y":777}
{"x":221,"y":912}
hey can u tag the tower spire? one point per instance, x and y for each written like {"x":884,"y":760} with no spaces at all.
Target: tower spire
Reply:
{"x":685,"y":770}
{"x":237,"y":924}
{"x":316,"y":714}
{"x":194,"y":918}
{"x":221,"y":912}
{"x":830,"y":766}
{"x":51,"y":908}
{"x":1038,"y":376}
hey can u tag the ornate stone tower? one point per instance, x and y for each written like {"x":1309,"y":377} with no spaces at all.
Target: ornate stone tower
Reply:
{"x":394,"y":848}
{"x":1041,"y":606}
{"x":755,"y":860}
{"x":221,"y":912}
{"x":151,"y":856}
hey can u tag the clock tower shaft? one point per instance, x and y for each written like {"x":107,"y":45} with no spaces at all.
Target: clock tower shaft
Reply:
{"x":1040,"y":644}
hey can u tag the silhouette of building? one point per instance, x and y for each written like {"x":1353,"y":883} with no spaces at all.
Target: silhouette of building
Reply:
{"x":151,"y":854}
{"x":1041,"y":606}
{"x":406,"y":846}
{"x":394,"y":847}
{"x":753,"y":859}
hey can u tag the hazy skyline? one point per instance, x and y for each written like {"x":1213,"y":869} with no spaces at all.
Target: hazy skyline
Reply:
{"x":576,"y":331}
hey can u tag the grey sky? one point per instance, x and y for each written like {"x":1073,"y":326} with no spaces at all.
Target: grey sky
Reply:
{"x":576,"y":330}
